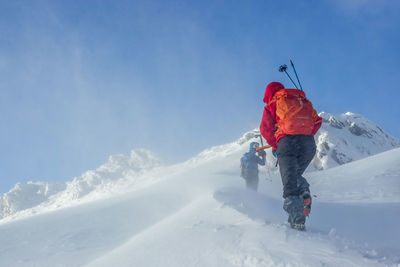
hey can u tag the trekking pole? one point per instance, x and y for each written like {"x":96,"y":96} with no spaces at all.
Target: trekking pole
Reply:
{"x":282,"y":68}
{"x":295,"y":72}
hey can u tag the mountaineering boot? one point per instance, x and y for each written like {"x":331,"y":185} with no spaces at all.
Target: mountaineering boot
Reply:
{"x":296,"y":226}
{"x":293,"y":205}
{"x":306,"y":197}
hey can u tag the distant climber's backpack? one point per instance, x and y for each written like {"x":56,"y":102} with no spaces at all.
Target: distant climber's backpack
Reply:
{"x":295,"y":113}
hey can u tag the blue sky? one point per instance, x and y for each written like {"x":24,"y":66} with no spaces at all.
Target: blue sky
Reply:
{"x":81,"y":80}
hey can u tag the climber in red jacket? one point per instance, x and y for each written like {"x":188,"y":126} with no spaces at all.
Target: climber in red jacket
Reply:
{"x":289,"y":124}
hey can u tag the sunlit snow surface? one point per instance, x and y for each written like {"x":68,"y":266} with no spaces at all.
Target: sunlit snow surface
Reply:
{"x":198,"y":213}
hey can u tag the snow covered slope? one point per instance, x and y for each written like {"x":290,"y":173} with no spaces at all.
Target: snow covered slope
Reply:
{"x":375,"y":179}
{"x":341,"y":139}
{"x":198,"y":214}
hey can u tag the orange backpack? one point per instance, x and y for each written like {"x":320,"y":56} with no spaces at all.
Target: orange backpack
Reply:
{"x":295,"y":113}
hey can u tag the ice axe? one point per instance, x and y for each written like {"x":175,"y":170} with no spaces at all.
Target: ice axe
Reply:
{"x":262,"y":145}
{"x":262,"y":148}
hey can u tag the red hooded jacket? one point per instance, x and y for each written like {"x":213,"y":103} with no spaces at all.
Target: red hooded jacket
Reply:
{"x":269,"y":119}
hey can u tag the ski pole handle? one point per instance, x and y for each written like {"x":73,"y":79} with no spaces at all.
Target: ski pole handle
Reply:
{"x":262,"y":148}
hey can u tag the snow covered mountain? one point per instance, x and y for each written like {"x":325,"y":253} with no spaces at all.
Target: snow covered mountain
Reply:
{"x":24,"y":196}
{"x":198,"y":213}
{"x":341,"y":139}
{"x":348,"y":137}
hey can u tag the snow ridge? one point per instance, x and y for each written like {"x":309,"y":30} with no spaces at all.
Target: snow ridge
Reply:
{"x":119,"y":168}
{"x":117,"y":173}
{"x":24,"y":196}
{"x":342,"y":139}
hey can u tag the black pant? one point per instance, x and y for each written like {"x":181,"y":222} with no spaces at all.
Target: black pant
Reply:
{"x":295,"y":152}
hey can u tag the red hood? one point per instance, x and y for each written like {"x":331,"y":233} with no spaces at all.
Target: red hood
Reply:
{"x":271,"y":89}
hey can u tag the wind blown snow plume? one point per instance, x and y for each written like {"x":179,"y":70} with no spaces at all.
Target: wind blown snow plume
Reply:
{"x":119,"y":169}
{"x":118,"y":173}
{"x":25,"y":196}
{"x":224,"y":150}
